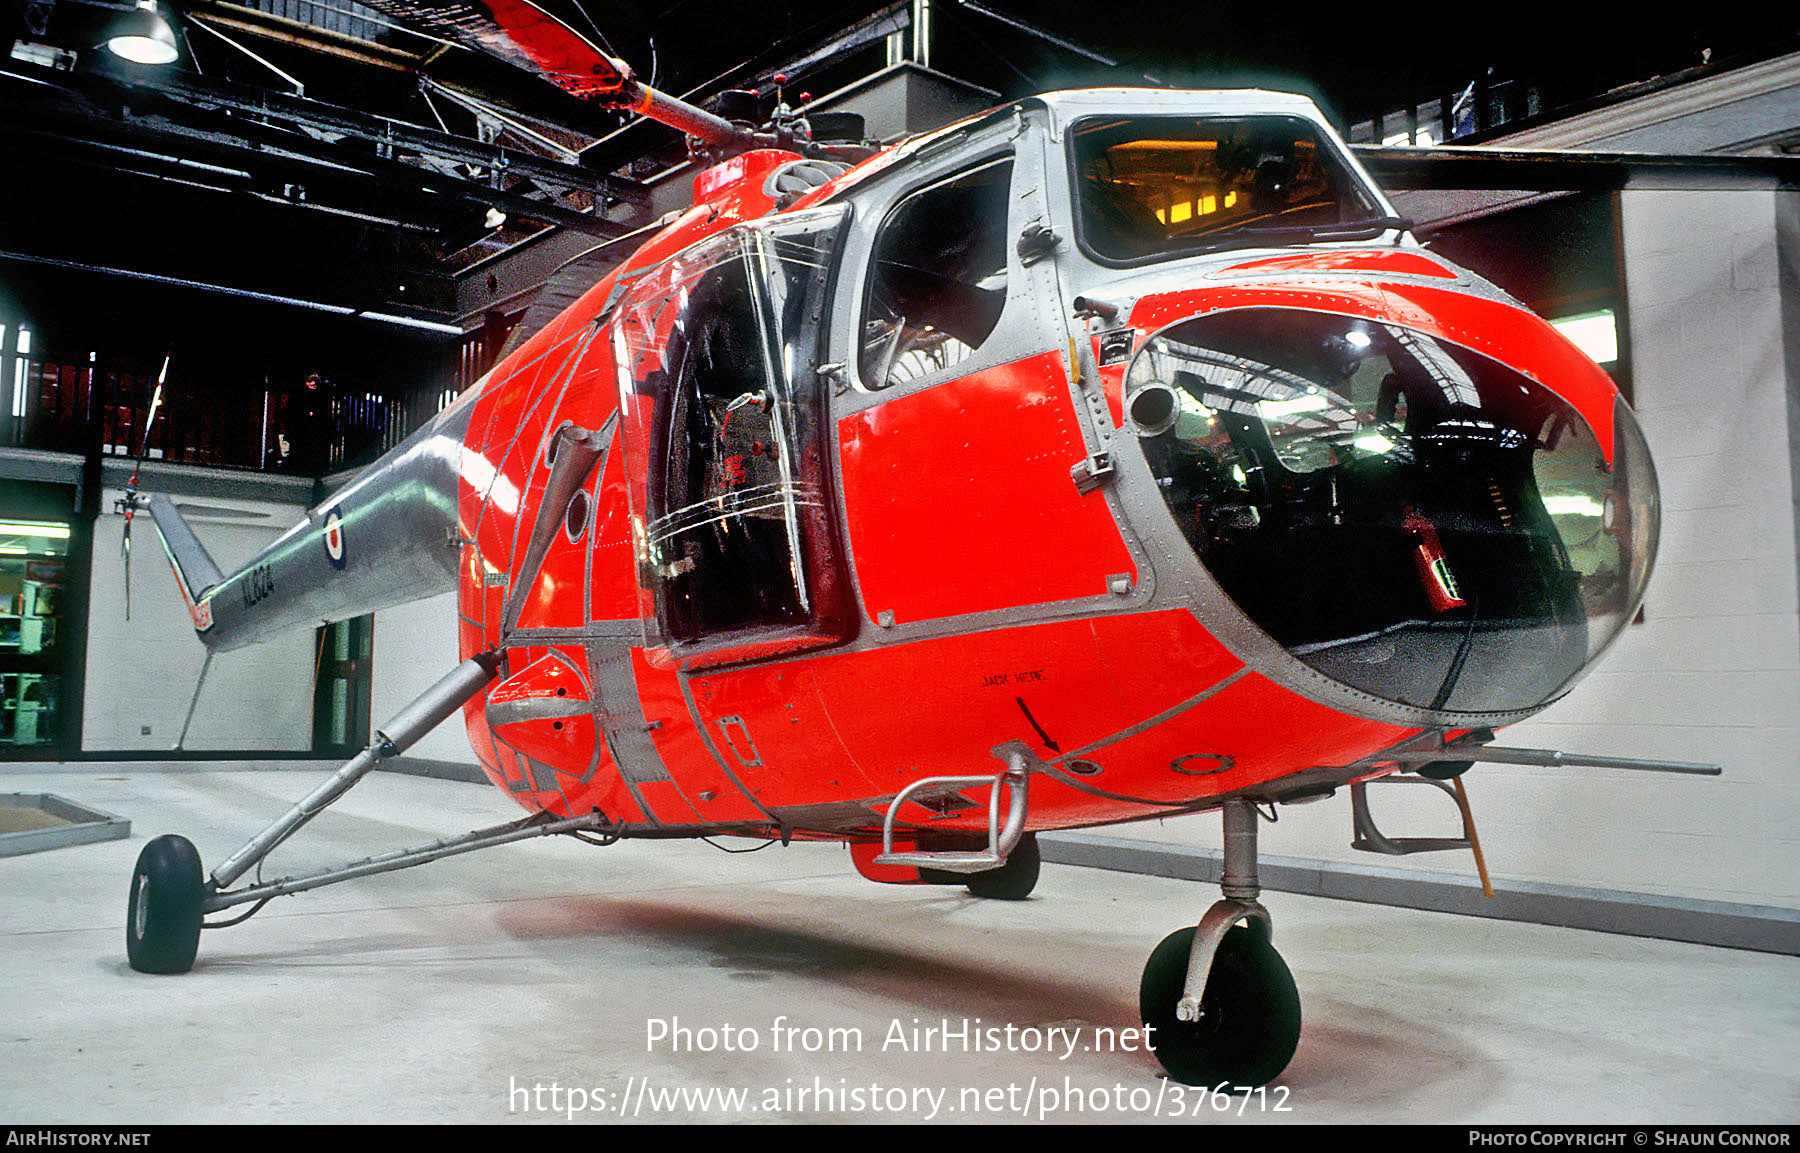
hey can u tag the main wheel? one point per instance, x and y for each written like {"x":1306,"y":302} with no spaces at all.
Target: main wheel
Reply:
{"x":1249,"y":1022}
{"x":1012,"y":881}
{"x":162,"y":917}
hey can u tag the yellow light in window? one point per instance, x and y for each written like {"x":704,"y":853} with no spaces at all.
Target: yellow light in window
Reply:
{"x":1164,"y":146}
{"x":1162,"y":216}
{"x":1180,"y":212}
{"x":1208,"y":204}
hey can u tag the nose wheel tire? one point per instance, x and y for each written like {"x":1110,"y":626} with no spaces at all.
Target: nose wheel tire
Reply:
{"x":162,"y":917}
{"x":1249,"y":1022}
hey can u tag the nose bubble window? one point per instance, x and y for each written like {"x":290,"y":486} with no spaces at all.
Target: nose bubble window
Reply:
{"x":1407,"y":516}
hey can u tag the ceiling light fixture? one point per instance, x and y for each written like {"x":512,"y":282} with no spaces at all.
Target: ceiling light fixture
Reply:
{"x":143,"y":36}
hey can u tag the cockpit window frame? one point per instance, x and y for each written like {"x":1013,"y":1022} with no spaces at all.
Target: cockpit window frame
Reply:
{"x":1327,"y":140}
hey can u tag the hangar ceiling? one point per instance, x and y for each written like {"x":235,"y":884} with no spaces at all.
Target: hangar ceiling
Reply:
{"x":321,"y":152}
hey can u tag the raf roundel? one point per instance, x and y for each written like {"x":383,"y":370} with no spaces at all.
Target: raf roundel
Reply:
{"x":334,"y":537}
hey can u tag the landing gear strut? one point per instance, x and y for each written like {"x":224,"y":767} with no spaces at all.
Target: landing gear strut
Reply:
{"x":1221,"y":1004}
{"x":170,"y":897}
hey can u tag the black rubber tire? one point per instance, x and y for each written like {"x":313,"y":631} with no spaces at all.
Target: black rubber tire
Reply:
{"x":1250,"y":1012}
{"x":1014,"y":880}
{"x":162,"y":915}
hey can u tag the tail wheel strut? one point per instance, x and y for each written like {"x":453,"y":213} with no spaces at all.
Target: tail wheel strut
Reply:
{"x":169,"y":894}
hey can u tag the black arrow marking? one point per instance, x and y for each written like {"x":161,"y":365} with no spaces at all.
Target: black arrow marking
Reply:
{"x":1042,"y":735}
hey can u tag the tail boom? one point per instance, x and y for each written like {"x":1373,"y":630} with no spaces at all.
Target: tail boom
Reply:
{"x":386,"y":538}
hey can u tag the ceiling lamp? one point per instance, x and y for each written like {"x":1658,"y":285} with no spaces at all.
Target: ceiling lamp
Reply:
{"x":143,"y":36}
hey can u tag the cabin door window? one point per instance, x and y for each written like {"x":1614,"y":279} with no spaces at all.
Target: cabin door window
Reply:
{"x":937,"y":282}
{"x":722,"y":415}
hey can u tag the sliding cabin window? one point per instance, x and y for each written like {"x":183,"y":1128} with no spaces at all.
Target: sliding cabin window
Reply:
{"x":723,"y":423}
{"x":937,"y":284}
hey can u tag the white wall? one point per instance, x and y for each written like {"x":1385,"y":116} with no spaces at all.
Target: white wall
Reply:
{"x":1713,"y":673}
{"x":415,"y":645}
{"x":141,"y":672}
{"x":259,"y":698}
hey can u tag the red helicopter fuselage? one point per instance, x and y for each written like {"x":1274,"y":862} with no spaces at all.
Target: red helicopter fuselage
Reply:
{"x":974,"y":456}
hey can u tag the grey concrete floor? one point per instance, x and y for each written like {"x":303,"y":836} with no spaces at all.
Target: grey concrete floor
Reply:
{"x":528,"y":984}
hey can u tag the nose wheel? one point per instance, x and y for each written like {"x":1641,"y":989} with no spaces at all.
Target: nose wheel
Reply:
{"x":1247,"y":1022}
{"x":1221,"y":1006}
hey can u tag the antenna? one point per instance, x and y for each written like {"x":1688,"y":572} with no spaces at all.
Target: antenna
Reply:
{"x":129,"y":503}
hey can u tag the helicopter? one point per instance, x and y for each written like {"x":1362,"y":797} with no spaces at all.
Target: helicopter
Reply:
{"x":1111,"y":455}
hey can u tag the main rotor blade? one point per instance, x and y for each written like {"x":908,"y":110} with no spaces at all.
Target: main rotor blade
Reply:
{"x":1459,"y":168}
{"x":155,"y":403}
{"x":518,"y":32}
{"x":126,"y":552}
{"x":529,"y":36}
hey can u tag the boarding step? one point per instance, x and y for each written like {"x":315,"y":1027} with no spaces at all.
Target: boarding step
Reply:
{"x":1370,"y":839}
{"x":1003,"y":834}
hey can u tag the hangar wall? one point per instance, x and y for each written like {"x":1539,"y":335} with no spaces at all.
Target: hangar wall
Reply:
{"x":415,"y":645}
{"x":141,"y":672}
{"x":1713,"y":673}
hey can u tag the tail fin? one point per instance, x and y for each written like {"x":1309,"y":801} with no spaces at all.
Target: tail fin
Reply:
{"x":195,"y":570}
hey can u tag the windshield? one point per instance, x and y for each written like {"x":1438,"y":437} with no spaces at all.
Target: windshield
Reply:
{"x":1405,"y":515}
{"x":1152,"y":187}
